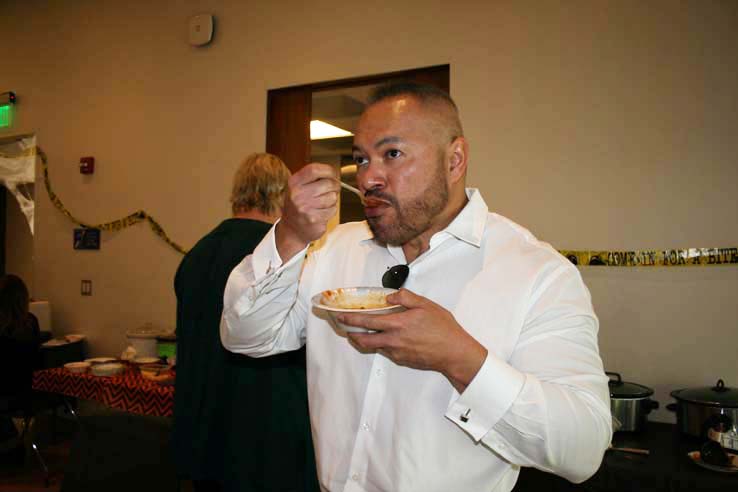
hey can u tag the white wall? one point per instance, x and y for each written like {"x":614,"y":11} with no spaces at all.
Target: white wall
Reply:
{"x":597,"y":124}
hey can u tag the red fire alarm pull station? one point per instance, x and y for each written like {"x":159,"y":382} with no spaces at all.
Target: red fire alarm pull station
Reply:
{"x":87,"y":165}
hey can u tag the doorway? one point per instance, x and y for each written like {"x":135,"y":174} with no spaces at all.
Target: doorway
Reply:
{"x":339,"y":104}
{"x":16,"y":237}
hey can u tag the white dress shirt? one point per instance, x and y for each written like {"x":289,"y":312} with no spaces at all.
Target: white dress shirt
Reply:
{"x":540,"y":399}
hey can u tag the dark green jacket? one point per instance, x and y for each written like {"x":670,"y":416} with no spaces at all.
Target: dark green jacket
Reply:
{"x":238,"y":420}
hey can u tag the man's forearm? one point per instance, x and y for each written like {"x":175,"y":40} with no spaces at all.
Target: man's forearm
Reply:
{"x":251,"y":319}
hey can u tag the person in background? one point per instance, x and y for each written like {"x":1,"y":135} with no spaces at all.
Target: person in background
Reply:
{"x":20,"y":338}
{"x":16,"y":321}
{"x":239,"y":423}
{"x":494,"y":363}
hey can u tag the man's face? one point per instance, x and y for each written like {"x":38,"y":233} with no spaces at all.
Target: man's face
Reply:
{"x":400,"y":156}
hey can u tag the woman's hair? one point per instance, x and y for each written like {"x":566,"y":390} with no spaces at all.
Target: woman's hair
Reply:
{"x":260,"y":183}
{"x":14,"y":301}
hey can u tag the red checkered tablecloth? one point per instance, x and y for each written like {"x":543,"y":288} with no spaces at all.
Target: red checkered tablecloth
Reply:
{"x":128,"y":391}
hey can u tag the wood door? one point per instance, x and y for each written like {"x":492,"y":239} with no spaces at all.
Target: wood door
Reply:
{"x":289,"y":110}
{"x":288,"y":125}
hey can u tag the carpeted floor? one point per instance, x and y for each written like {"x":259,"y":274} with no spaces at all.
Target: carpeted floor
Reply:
{"x":102,"y":450}
{"x":20,"y":470}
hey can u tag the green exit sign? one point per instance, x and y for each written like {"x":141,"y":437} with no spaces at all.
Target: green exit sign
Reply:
{"x":7,"y":101}
{"x":6,"y":115}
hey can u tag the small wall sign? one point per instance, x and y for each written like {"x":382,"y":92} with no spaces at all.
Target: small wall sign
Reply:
{"x":87,"y":238}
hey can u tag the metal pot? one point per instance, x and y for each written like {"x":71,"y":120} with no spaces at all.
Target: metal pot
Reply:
{"x":698,"y":409}
{"x":630,"y":403}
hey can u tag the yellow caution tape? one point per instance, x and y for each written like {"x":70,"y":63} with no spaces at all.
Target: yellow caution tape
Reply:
{"x":115,"y":225}
{"x":28,"y":152}
{"x":655,"y":257}
{"x":638,"y":258}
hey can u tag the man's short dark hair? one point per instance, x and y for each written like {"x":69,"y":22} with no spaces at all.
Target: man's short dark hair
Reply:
{"x":427,"y":95}
{"x":424,"y":93}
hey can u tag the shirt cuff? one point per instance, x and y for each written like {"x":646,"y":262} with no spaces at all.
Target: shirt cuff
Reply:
{"x":486,"y":399}
{"x":264,"y":271}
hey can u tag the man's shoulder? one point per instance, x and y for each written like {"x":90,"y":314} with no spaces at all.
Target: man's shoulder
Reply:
{"x":354,"y":230}
{"x":346,"y":234}
{"x":344,"y":239}
{"x":512,"y":240}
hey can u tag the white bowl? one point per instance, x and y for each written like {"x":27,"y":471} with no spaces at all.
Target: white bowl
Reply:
{"x":364,"y":300}
{"x":146,"y":360}
{"x":153,"y":368}
{"x":100,"y":360}
{"x":78,"y":367}
{"x":109,"y":369}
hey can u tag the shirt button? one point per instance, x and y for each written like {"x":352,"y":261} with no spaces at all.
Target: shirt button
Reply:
{"x":379,"y":372}
{"x":355,"y":477}
{"x":365,"y":426}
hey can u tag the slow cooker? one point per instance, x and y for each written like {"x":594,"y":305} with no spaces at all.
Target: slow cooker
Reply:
{"x":630,"y":403}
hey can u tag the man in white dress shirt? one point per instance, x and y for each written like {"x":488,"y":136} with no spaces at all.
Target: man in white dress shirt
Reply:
{"x":494,"y":364}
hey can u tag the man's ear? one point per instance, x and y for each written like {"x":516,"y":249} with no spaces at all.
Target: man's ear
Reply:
{"x":457,"y":155}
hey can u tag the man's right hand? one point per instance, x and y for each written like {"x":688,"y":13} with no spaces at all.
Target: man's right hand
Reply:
{"x":311,"y":201}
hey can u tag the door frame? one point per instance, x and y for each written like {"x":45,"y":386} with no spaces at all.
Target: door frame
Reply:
{"x":289,"y":109}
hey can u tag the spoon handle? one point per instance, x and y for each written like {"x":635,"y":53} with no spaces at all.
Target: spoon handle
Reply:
{"x":353,"y":190}
{"x":630,"y":450}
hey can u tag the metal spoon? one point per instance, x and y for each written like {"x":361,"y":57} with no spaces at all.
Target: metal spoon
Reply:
{"x":353,"y":190}
{"x":629,"y":450}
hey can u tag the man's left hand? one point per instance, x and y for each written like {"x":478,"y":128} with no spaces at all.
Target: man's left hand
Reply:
{"x":424,"y":336}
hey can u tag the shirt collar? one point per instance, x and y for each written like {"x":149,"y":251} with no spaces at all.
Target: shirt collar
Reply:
{"x":468,"y":226}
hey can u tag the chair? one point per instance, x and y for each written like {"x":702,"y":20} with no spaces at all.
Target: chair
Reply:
{"x":17,"y":399}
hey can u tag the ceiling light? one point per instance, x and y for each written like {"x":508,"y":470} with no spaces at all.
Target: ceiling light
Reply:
{"x":320,"y":130}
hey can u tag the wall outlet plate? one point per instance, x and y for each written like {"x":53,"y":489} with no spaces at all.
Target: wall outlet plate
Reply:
{"x":86,"y":165}
{"x":201,"y":29}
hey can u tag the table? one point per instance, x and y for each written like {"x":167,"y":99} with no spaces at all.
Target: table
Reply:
{"x":58,"y":355}
{"x":667,"y":467}
{"x":128,"y":391}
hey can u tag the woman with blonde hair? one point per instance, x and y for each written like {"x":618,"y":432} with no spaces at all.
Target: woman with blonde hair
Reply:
{"x":239,"y":423}
{"x":259,"y":186}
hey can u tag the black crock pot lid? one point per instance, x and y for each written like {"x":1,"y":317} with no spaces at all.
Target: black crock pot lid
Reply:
{"x":718,"y":395}
{"x":624,"y":389}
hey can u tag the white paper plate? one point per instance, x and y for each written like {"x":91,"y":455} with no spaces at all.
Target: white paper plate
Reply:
{"x":354,"y":296}
{"x":54,"y":342}
{"x":77,"y":367}
{"x":697,"y":460}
